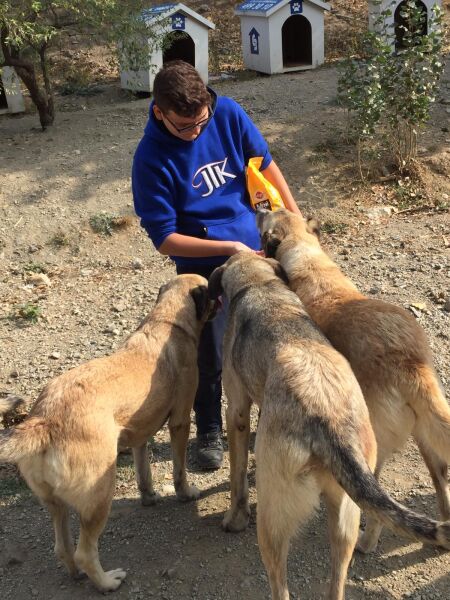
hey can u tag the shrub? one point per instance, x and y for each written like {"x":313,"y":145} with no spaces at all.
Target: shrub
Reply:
{"x":105,"y":223}
{"x":28,"y":312}
{"x":389,"y":93}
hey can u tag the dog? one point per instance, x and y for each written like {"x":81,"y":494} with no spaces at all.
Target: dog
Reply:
{"x":386,"y":348}
{"x":314,"y":434}
{"x":66,"y":449}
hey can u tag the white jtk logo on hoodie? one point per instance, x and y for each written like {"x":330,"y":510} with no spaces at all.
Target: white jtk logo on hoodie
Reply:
{"x":213,"y":175}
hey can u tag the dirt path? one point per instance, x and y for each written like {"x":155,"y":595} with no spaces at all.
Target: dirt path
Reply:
{"x":101,"y":286}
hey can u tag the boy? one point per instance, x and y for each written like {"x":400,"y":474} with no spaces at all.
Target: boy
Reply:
{"x":189,"y":190}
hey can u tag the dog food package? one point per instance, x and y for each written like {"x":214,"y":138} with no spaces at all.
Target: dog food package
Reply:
{"x":262,"y":193}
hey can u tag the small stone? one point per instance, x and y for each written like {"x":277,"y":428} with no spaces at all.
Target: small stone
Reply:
{"x":38,"y":279}
{"x":137,"y":264}
{"x":55,"y":355}
{"x":414,"y":311}
{"x":446,"y":306}
{"x":118,"y":308}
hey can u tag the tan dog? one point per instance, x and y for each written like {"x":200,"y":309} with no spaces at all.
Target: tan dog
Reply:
{"x":387,"y":349}
{"x":314,"y":434}
{"x":66,"y":450}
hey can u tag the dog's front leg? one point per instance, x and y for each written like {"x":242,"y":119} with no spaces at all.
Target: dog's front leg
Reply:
{"x":144,"y":476}
{"x":238,"y":430}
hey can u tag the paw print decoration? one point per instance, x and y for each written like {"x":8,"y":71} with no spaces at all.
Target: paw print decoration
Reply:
{"x":178,"y":21}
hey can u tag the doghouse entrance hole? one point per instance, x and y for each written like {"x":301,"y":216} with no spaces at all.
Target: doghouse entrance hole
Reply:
{"x":401,"y":23}
{"x":3,"y":103}
{"x":296,"y":41}
{"x":181,"y":47}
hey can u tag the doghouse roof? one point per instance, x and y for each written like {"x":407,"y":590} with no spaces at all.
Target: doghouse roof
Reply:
{"x":157,"y":13}
{"x":265,"y":8}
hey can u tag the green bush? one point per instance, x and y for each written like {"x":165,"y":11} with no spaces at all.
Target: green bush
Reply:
{"x":389,"y":93}
{"x":27,"y":312}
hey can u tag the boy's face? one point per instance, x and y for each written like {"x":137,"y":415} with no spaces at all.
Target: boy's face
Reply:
{"x":185,"y":128}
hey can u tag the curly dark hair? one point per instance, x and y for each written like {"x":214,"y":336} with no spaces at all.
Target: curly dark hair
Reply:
{"x":178,"y":87}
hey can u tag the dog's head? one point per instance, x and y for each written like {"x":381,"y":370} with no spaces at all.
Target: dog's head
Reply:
{"x":240,"y":270}
{"x":278,"y":226}
{"x":189,"y":290}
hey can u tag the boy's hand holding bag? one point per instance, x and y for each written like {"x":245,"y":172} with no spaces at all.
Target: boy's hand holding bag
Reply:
{"x":262,"y":193}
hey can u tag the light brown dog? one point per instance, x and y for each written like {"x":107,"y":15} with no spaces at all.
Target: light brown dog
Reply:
{"x":387,"y":349}
{"x":314,"y":434}
{"x":67,"y":448}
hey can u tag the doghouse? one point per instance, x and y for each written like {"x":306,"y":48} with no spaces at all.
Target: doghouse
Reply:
{"x":11,"y":99}
{"x":187,"y":32}
{"x":282,"y":35}
{"x":395,"y":22}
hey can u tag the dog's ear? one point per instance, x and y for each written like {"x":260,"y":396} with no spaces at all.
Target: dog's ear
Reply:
{"x":200,"y":296}
{"x":270,"y":243}
{"x":161,"y":291}
{"x":260,"y":215}
{"x":313,"y":226}
{"x":215,"y":283}
{"x":278,"y":269}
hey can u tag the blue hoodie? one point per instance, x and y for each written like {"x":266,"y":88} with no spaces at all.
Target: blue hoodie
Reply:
{"x":198,"y":187}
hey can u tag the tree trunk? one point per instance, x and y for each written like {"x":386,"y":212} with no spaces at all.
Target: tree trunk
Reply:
{"x":27,"y":73}
{"x":39,"y":98}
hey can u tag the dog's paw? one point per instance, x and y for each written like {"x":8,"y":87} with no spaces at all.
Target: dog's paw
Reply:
{"x":189,"y":493}
{"x":112,"y":580}
{"x":78,"y":575}
{"x":149,"y":498}
{"x":365,"y":544}
{"x":235,"y":521}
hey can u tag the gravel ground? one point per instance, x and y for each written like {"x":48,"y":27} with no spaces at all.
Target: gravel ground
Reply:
{"x":92,"y":290}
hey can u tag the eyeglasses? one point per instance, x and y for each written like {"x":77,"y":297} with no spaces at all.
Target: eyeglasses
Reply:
{"x":201,"y":123}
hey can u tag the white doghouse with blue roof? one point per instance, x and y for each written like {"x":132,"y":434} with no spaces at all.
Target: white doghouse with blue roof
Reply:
{"x":396,"y":22}
{"x":188,"y":33}
{"x":279,"y":36}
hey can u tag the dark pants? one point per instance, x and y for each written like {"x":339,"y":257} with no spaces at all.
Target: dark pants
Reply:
{"x":207,"y":405}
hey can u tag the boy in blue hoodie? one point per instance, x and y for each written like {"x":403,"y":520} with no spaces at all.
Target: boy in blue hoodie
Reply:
{"x":189,"y":191}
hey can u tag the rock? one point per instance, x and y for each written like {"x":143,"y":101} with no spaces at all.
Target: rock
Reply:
{"x":137,"y":264}
{"x":378,"y":212}
{"x":55,"y":355}
{"x":38,"y":279}
{"x":419,"y":306}
{"x":446,"y":305}
{"x":414,"y":311}
{"x":12,"y":555}
{"x":203,"y":8}
{"x":118,"y":308}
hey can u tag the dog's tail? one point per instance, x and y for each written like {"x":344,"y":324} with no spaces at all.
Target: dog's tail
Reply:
{"x":353,"y":474}
{"x":433,"y":412}
{"x":11,"y":402}
{"x":29,"y":437}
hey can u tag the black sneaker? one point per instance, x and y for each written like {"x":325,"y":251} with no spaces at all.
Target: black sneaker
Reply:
{"x":209,"y":450}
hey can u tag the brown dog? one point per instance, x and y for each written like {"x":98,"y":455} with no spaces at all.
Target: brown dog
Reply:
{"x":66,"y":450}
{"x":387,"y":350}
{"x":314,"y":434}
